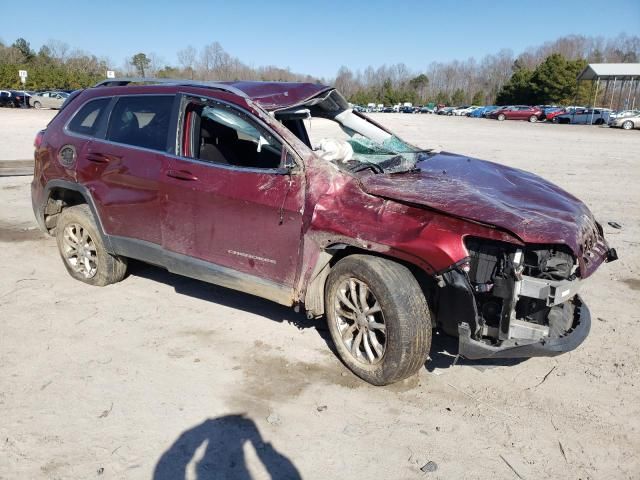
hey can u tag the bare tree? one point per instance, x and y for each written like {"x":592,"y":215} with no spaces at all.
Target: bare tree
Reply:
{"x":187,"y":59}
{"x":58,"y":50}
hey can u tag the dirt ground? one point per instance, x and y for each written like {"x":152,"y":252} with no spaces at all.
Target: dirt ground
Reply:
{"x":160,"y":375}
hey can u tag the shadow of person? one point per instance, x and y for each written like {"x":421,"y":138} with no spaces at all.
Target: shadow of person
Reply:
{"x":216,"y":449}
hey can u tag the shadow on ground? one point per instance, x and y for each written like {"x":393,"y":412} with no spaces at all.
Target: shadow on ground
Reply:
{"x":230,"y":298}
{"x":216,"y":449}
{"x":444,"y":348}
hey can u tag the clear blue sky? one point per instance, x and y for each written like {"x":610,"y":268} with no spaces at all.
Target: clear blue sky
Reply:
{"x":317,"y":37}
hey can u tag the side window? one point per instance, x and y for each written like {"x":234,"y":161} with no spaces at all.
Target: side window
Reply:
{"x":141,"y":121}
{"x":87,"y":119}
{"x":218,"y":133}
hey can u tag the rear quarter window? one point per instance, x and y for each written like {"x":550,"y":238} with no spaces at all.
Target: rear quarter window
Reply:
{"x":87,"y":119}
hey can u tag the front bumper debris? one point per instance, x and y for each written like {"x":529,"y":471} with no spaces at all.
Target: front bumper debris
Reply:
{"x":518,"y":348}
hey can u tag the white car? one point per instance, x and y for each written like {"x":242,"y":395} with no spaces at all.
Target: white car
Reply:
{"x":462,"y":111}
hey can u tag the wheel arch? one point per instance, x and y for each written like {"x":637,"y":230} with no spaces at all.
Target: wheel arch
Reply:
{"x":60,"y":194}
{"x":314,"y":302}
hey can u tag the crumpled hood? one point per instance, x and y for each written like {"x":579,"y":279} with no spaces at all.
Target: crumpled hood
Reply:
{"x":520,"y":202}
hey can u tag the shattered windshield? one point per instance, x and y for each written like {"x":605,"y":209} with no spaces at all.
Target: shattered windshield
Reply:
{"x":392,"y":154}
{"x":352,"y":141}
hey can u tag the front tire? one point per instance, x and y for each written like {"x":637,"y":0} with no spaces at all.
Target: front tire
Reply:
{"x":378,"y":318}
{"x":628,"y":125}
{"x":37,"y":105}
{"x":501,"y":117}
{"x":533,"y":119}
{"x":82,"y":249}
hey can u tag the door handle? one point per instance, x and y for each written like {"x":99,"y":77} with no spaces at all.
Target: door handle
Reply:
{"x":97,"y":157}
{"x":182,"y":175}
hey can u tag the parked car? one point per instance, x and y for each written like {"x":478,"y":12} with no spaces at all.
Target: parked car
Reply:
{"x":623,"y":113}
{"x":584,"y":116}
{"x":549,"y":110}
{"x":49,"y":99}
{"x":490,"y":110}
{"x":459,"y":111}
{"x":12,"y":99}
{"x":220,"y":182}
{"x":549,"y":116}
{"x":407,"y":109}
{"x":388,"y":109}
{"x":517,"y":112}
{"x":466,"y":112}
{"x":445,"y":111}
{"x":479,"y":112}
{"x":628,"y":122}
{"x":427,"y":109}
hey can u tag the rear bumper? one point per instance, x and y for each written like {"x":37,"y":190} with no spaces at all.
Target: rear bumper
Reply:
{"x":474,"y":349}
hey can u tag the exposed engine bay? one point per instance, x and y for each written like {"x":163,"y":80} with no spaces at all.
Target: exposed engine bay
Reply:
{"x":506,"y":296}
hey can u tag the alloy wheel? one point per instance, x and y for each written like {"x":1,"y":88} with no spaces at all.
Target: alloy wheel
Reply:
{"x":360,"y":321}
{"x":80,"y":250}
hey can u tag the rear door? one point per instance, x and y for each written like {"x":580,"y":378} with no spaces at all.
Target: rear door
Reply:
{"x":229,"y":202}
{"x":123,"y":166}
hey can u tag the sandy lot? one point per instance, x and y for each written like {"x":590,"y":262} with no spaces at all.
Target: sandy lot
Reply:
{"x":18,"y":129}
{"x":161,"y":374}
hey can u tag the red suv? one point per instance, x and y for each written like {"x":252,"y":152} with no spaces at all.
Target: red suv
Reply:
{"x":517,"y":112}
{"x":220,"y":182}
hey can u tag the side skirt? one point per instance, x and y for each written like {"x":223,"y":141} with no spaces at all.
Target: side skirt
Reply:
{"x":202,"y":270}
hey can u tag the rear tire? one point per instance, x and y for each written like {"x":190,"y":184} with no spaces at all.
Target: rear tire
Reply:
{"x":82,"y":249}
{"x":37,"y":105}
{"x":599,"y":121}
{"x":378,"y":318}
{"x":628,"y":125}
{"x":501,"y":117}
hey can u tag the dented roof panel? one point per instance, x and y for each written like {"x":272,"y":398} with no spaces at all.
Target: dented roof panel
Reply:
{"x":277,"y":95}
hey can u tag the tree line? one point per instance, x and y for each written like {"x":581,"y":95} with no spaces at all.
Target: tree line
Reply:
{"x":541,"y":74}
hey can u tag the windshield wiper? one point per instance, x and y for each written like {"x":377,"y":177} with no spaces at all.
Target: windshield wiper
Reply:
{"x":360,"y":166}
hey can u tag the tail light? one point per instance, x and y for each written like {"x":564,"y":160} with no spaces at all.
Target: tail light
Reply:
{"x":38,"y":140}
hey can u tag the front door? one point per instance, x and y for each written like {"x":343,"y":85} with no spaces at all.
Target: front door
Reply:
{"x":228,"y":201}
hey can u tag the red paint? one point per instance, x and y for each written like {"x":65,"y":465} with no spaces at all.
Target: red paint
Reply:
{"x":518,"y":112}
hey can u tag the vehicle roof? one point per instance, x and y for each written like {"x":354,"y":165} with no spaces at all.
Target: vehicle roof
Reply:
{"x":269,"y":95}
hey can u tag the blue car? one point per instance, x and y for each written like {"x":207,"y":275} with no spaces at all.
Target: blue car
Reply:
{"x":478,"y":112}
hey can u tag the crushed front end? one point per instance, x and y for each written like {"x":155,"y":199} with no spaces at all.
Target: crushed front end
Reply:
{"x":510,"y":301}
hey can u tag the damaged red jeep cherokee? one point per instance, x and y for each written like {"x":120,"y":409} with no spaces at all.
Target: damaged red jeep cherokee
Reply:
{"x":220,"y":182}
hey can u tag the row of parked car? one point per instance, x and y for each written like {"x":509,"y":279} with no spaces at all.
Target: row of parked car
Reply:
{"x":627,"y":119}
{"x":29,"y":99}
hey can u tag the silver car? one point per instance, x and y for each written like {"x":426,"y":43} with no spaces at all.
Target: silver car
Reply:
{"x":627,"y":123}
{"x":51,"y":99}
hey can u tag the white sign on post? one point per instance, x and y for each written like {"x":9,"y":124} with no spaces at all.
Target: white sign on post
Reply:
{"x":111,"y":74}
{"x":23,"y":76}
